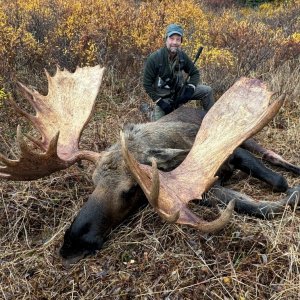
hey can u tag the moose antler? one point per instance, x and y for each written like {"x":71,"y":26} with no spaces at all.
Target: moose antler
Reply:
{"x":60,"y":118}
{"x":240,"y":113}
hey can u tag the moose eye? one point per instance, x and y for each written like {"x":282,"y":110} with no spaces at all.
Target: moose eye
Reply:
{"x":128,"y":194}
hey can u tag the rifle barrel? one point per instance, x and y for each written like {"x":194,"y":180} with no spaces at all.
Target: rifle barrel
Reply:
{"x":198,"y":54}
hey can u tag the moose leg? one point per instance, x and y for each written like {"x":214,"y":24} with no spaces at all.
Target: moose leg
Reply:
{"x":246,"y":205}
{"x":270,"y":156}
{"x":248,"y":163}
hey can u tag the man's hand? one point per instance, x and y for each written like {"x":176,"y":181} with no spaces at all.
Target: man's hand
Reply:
{"x":165,"y":105}
{"x":187,"y":94}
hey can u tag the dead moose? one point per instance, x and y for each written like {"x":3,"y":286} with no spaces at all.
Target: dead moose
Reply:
{"x":187,"y":159}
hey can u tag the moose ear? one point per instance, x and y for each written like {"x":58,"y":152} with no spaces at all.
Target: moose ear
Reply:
{"x":167,"y":159}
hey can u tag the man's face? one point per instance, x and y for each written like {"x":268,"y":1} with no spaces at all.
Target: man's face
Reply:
{"x":173,"y":43}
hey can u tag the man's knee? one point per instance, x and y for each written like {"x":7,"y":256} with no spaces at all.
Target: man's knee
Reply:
{"x":204,"y":93}
{"x":203,"y":90}
{"x":209,"y":90}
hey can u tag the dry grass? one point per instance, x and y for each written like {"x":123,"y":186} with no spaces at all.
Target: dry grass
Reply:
{"x":145,"y":258}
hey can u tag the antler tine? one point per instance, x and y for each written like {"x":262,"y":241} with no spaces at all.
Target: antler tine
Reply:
{"x":24,"y":148}
{"x":35,"y":141}
{"x":7,"y":163}
{"x":220,"y":222}
{"x":154,"y":193}
{"x":154,"y":196}
{"x":52,"y":149}
{"x":33,"y":96}
{"x":19,"y":110}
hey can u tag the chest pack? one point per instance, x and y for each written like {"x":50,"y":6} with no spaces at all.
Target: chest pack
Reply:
{"x":159,"y":62}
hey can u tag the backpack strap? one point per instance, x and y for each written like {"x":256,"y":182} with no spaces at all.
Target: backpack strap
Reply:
{"x":159,"y":62}
{"x":181,"y":60}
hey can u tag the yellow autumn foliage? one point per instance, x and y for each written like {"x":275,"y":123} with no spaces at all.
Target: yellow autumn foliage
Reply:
{"x":41,"y":33}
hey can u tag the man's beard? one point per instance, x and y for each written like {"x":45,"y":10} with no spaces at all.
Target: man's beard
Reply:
{"x":173,"y":49}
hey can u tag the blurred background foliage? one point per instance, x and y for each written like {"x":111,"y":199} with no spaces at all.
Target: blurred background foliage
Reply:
{"x":241,"y":38}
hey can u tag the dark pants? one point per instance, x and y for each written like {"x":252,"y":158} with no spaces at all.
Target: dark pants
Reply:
{"x":204,"y":93}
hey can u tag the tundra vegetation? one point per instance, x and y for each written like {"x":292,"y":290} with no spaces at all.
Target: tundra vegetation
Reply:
{"x":144,"y":257}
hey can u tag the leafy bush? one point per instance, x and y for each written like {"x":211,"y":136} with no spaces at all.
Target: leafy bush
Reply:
{"x":120,"y":34}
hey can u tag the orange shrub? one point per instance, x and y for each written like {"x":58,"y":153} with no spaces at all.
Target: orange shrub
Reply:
{"x":120,"y":34}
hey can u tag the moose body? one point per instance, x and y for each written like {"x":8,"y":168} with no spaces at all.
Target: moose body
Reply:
{"x":185,"y":148}
{"x":117,"y":194}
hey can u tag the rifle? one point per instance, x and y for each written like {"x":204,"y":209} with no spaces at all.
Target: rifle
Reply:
{"x":177,"y":94}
